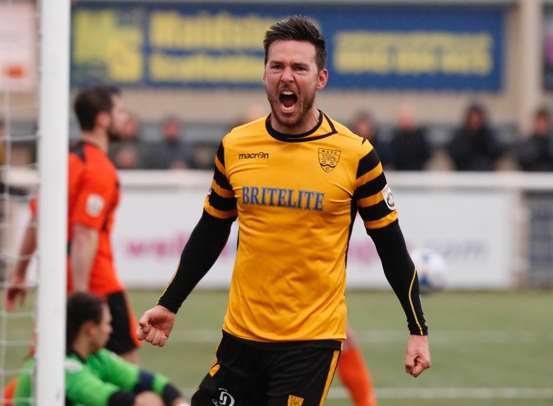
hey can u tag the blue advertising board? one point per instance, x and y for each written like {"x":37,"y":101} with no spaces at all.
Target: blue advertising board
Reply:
{"x":369,"y":47}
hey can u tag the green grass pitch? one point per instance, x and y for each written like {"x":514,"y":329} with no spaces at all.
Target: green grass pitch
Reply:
{"x":488,"y":348}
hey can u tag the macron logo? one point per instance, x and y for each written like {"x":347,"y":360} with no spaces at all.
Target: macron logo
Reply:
{"x":255,"y":155}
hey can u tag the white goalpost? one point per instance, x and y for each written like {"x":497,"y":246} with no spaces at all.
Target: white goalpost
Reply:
{"x":34,"y":111}
{"x":52,"y":230}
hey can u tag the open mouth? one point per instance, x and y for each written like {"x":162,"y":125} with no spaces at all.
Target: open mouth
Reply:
{"x":287,"y":98}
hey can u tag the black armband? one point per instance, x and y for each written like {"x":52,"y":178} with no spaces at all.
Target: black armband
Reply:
{"x":401,"y":274}
{"x":169,"y":394}
{"x":121,"y":398}
{"x":200,"y":253}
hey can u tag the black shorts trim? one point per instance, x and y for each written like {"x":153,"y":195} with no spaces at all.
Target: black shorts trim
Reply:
{"x":283,"y":345}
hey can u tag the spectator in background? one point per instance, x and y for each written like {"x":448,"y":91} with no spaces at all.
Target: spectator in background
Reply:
{"x":202,"y":155}
{"x":474,"y":146}
{"x":409,"y":145}
{"x":535,"y":153}
{"x":171,"y":152}
{"x":364,"y":126}
{"x":126,"y":152}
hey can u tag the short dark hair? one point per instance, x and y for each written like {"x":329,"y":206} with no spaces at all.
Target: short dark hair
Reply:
{"x":297,"y":28}
{"x":92,"y":101}
{"x":81,"y":308}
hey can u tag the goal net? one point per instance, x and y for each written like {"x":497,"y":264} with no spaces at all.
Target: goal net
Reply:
{"x":34,"y":87}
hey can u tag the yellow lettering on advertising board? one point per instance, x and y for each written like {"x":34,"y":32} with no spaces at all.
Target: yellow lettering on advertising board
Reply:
{"x":173,"y":30}
{"x":206,"y":68}
{"x":415,"y":52}
{"x":99,"y":39}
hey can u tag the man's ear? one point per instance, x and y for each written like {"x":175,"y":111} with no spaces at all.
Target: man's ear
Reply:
{"x":322,"y":79}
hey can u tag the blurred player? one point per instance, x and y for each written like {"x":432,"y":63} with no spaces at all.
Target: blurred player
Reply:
{"x":294,"y":179}
{"x":95,"y":376}
{"x":93,"y":194}
{"x":9,"y":393}
{"x":354,"y":374}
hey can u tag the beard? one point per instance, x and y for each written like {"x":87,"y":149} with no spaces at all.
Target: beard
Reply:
{"x":298,"y":118}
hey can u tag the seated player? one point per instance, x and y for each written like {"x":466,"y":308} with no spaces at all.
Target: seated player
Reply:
{"x":95,"y":376}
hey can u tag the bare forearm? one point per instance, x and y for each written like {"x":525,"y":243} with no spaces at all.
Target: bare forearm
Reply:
{"x":26,"y":250}
{"x":83,"y":252}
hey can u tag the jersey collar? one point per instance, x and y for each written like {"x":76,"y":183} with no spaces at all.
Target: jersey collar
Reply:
{"x":324,"y":128}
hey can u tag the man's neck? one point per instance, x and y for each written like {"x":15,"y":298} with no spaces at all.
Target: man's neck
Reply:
{"x":96,"y":137}
{"x":81,"y":347}
{"x":308,"y":123}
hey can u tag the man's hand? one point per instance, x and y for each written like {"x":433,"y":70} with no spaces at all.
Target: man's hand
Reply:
{"x":155,"y":325}
{"x":417,"y":355}
{"x":16,"y":291}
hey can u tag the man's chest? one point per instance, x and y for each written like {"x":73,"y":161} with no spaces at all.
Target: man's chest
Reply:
{"x":305,"y":176}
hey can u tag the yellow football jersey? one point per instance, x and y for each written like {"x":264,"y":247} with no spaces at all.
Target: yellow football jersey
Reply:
{"x":295,"y":198}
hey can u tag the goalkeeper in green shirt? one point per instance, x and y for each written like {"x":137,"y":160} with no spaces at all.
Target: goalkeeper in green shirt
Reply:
{"x":95,"y":376}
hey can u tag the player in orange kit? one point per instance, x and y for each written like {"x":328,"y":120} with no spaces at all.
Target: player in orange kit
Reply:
{"x":93,"y":196}
{"x":354,"y":373}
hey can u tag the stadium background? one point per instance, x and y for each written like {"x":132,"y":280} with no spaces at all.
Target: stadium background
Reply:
{"x":200,"y":63}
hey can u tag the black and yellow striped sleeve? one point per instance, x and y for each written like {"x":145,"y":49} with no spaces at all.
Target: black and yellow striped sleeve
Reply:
{"x":376,"y":206}
{"x":373,"y":197}
{"x":220,"y":202}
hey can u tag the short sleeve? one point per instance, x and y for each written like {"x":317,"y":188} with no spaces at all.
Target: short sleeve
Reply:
{"x":220,"y":202}
{"x":92,"y":195}
{"x":373,"y":196}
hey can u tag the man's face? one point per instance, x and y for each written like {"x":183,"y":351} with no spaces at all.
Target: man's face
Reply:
{"x":119,"y":117}
{"x":170,"y":130}
{"x":101,"y":332}
{"x":291,"y":81}
{"x":475,"y":120}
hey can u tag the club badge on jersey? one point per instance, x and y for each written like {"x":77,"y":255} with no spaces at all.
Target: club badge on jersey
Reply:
{"x":329,"y":158}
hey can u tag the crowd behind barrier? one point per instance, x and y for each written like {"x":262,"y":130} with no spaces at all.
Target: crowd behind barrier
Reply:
{"x":475,"y":143}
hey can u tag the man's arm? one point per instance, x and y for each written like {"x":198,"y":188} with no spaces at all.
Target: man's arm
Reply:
{"x":81,"y":387}
{"x":129,"y":377}
{"x":84,"y":246}
{"x":85,"y":388}
{"x":199,"y":254}
{"x":376,"y":207}
{"x":16,"y":290}
{"x":401,"y":274}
